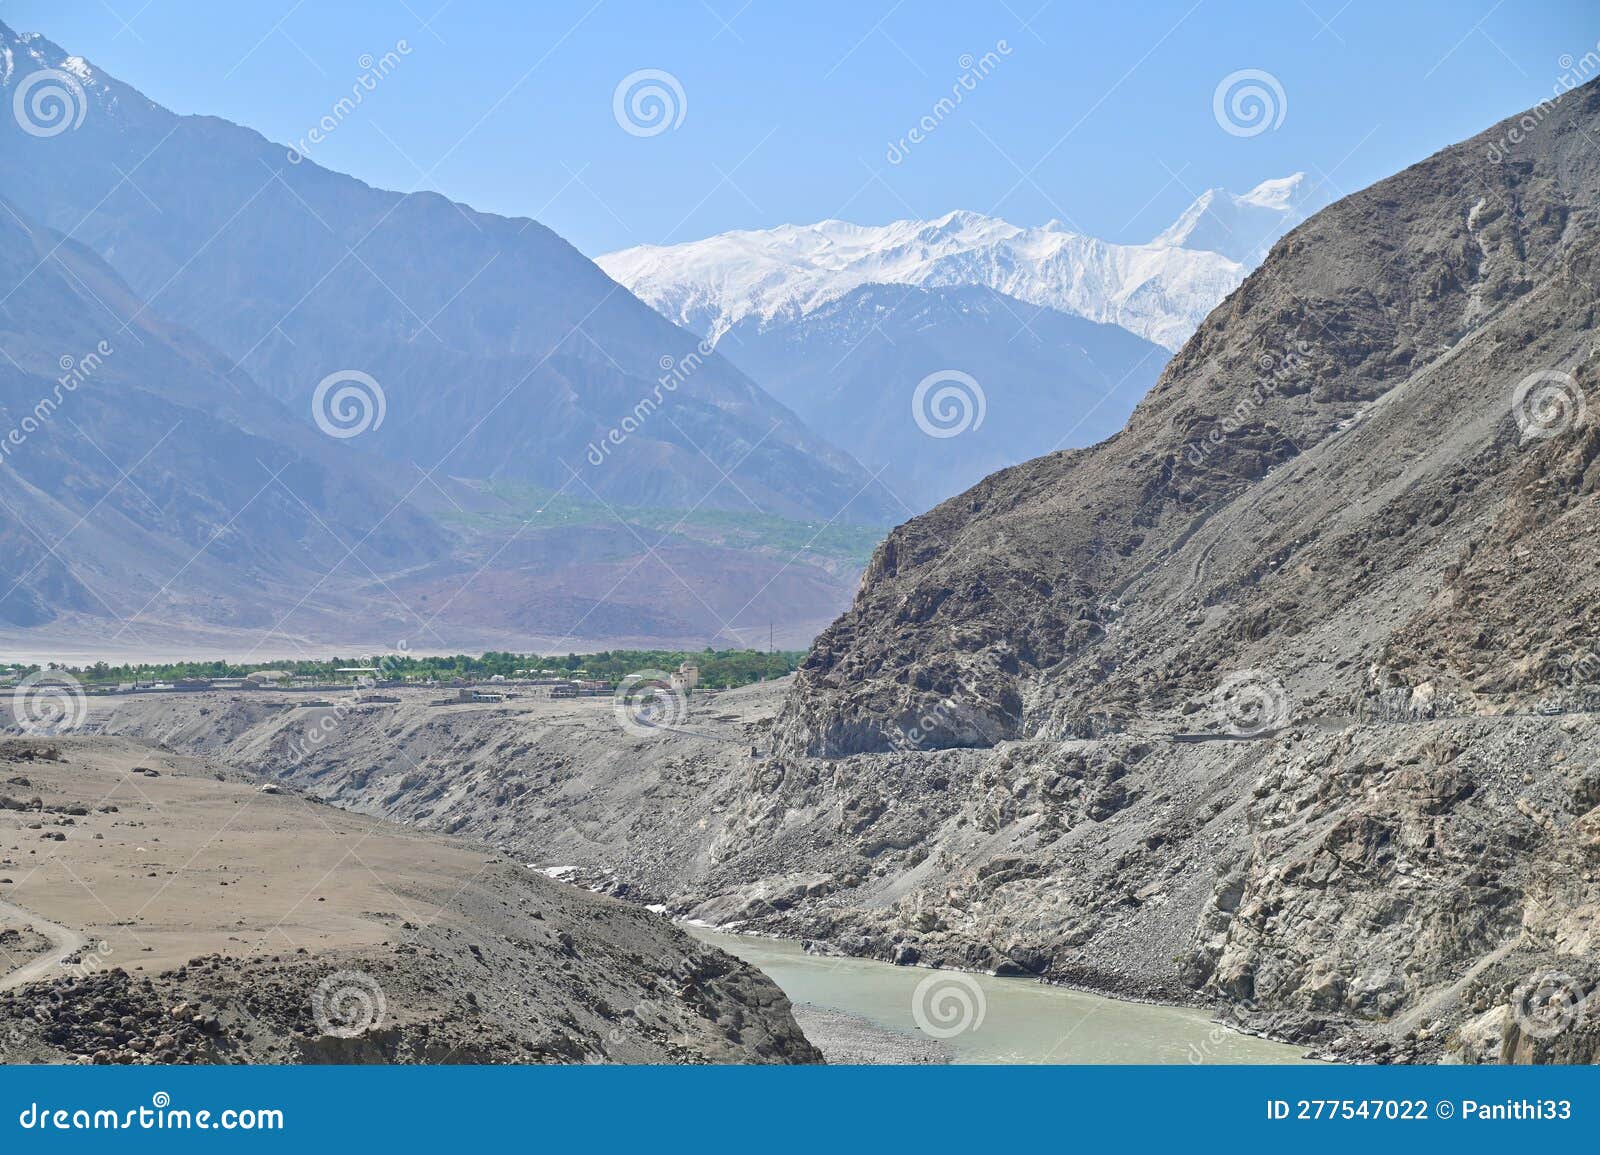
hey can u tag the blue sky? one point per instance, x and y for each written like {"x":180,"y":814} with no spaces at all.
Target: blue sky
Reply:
{"x":1099,"y":115}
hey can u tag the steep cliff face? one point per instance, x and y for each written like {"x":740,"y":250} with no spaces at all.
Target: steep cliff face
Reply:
{"x":1321,"y":452}
{"x":1282,"y":696}
{"x":1258,"y":703}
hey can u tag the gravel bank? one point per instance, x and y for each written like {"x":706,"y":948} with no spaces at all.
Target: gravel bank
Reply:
{"x":846,"y":1039}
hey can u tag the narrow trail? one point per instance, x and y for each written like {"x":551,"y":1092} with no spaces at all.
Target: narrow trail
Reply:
{"x":63,"y":941}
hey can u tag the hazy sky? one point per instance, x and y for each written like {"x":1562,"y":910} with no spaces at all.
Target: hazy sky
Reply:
{"x":1100,"y":115}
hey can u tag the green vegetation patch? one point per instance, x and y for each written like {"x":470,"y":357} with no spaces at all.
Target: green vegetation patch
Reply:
{"x":719,"y":669}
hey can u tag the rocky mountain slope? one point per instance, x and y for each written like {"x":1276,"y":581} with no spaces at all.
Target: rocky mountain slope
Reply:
{"x":1134,"y":864}
{"x":1283,"y":697}
{"x":1340,"y":446}
{"x":1342,"y":542}
{"x":236,"y":508}
{"x":500,"y":350}
{"x":1160,"y":290}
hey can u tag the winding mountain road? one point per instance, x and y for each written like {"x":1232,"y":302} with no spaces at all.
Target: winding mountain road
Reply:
{"x":63,"y":942}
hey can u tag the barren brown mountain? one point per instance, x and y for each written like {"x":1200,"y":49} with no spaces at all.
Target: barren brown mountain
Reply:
{"x":1283,"y":698}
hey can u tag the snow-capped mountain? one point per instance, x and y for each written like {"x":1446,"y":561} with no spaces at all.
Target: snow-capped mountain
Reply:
{"x":1243,"y":228}
{"x":1160,"y":290}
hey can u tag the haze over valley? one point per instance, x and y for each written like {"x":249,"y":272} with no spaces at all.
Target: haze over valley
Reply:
{"x":1150,"y":620}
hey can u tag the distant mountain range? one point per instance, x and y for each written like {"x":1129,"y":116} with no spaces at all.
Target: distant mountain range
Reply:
{"x":473,"y":356}
{"x":1286,"y":694}
{"x":1040,"y":380}
{"x":466,"y":434}
{"x":1052,"y":336}
{"x":139,"y":467}
{"x":1161,"y":290}
{"x":501,"y":350}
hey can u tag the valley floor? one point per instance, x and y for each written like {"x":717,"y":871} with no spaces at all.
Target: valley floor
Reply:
{"x":1364,"y":891}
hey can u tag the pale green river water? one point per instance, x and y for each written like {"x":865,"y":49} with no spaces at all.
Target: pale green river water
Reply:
{"x":1002,"y":1020}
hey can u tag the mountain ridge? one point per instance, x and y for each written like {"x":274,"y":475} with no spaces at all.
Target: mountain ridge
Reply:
{"x":296,"y":271}
{"x":1282,"y":696}
{"x":1028,"y":379}
{"x":470,"y":349}
{"x":212,"y":507}
{"x":1159,"y":290}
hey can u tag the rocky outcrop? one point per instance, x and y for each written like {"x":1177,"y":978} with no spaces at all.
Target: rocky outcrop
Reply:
{"x":1336,"y":438}
{"x":1264,"y":698}
{"x":412,"y":1005}
{"x":1258,"y":703}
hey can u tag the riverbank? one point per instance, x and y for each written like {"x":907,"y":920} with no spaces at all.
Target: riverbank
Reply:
{"x":853,"y":1040}
{"x":977,"y":1018}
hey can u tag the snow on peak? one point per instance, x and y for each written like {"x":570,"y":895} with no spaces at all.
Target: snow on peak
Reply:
{"x":79,"y":67}
{"x":1243,"y":228}
{"x":24,"y":53}
{"x":1161,"y":290}
{"x":1281,"y":193}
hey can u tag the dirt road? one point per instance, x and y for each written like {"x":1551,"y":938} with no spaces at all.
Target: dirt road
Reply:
{"x":63,"y":942}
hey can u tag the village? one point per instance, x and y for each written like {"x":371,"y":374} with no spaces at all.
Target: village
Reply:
{"x":550,"y":683}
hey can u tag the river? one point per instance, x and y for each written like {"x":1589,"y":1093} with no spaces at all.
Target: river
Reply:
{"x":999,"y":1020}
